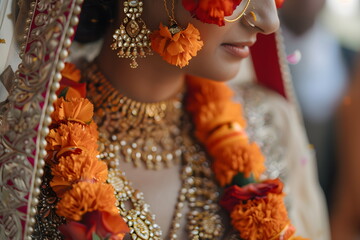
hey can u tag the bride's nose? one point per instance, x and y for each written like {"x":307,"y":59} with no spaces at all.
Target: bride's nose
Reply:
{"x":262,"y":15}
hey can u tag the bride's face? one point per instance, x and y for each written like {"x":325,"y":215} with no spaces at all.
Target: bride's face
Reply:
{"x":224,"y":47}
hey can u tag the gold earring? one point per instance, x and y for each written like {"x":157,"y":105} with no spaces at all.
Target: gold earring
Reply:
{"x":132,"y":37}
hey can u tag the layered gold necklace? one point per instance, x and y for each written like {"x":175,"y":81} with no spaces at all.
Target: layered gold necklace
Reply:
{"x":155,"y":135}
{"x":131,"y":131}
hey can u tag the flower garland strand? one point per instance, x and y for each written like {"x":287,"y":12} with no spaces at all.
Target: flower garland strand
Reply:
{"x":256,"y":207}
{"x":79,"y":178}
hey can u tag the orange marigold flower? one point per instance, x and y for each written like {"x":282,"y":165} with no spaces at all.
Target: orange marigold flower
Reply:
{"x":211,"y":11}
{"x":179,"y":48}
{"x":71,"y":72}
{"x":69,"y":85}
{"x":69,"y":89}
{"x":87,"y":197}
{"x":201,"y":91}
{"x":73,"y":109}
{"x":214,"y":115}
{"x":225,"y":134}
{"x":261,"y":219}
{"x":235,"y":158}
{"x":77,"y":168}
{"x":71,"y":136}
{"x":211,"y":105}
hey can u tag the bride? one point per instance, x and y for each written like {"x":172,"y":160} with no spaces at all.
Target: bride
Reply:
{"x":146,"y":141}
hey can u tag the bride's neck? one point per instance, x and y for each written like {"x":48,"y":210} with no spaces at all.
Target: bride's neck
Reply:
{"x":152,"y":81}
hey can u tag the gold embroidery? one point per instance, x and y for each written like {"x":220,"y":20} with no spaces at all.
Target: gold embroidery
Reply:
{"x":22,"y":146}
{"x":47,"y":221}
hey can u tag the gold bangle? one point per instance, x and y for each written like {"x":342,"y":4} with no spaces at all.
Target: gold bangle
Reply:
{"x":241,"y":14}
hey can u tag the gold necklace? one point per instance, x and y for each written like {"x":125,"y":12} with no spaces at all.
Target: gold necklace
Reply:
{"x":131,"y":131}
{"x":198,"y":191}
{"x":170,"y":125}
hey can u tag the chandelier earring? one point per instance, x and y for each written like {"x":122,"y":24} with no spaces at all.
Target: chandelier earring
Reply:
{"x":175,"y":44}
{"x":131,"y":39}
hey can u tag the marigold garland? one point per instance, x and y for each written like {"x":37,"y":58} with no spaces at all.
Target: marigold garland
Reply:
{"x":70,"y":137}
{"x":77,"y":168}
{"x":79,"y":177}
{"x":177,"y":49}
{"x":260,"y":219}
{"x":257,"y":208}
{"x":73,"y":109}
{"x":87,"y":197}
{"x":235,"y":158}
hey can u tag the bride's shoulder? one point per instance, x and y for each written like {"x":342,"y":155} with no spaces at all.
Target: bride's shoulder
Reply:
{"x":263,"y":102}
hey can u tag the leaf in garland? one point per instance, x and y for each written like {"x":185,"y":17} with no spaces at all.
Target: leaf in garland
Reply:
{"x":95,"y":237}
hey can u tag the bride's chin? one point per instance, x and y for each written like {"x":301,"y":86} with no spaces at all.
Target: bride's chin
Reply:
{"x":221,"y":72}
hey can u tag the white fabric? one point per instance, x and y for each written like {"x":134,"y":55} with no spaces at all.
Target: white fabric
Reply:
{"x":9,"y":52}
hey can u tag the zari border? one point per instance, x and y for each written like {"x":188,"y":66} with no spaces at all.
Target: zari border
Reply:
{"x":62,"y":30}
{"x":48,"y":37}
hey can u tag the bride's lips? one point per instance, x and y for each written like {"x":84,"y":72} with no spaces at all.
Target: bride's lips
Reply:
{"x":240,"y":50}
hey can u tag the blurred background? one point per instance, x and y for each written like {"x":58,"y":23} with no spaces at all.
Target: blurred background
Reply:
{"x":324,"y":37}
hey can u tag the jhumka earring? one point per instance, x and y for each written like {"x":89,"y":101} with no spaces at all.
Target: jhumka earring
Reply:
{"x":176,"y":45}
{"x":132,"y":37}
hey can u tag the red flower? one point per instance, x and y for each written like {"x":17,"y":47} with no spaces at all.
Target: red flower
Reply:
{"x":69,"y":85}
{"x":71,"y":89}
{"x":279,"y":3}
{"x":211,"y":11}
{"x":235,"y":194}
{"x":103,"y":224}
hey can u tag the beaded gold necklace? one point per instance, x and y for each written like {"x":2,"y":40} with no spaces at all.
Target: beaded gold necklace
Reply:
{"x":142,"y":133}
{"x":156,"y":135}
